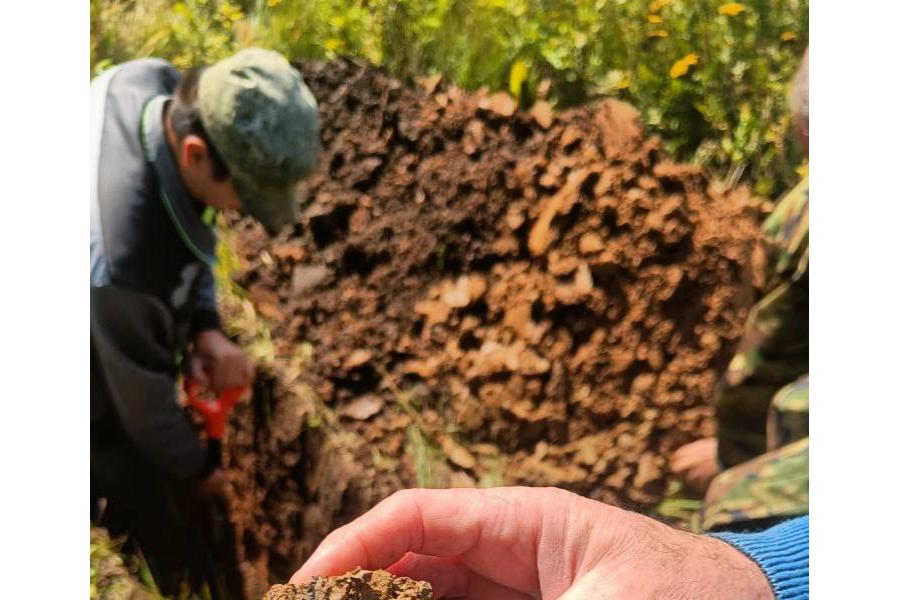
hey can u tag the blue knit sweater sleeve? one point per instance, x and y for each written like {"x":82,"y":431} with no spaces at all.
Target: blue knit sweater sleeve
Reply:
{"x":782,"y":552}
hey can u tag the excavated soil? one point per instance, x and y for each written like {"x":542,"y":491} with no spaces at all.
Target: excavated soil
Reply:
{"x":477,"y":295}
{"x":356,"y":585}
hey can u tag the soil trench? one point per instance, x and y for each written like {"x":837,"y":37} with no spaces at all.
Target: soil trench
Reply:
{"x":479,"y":295}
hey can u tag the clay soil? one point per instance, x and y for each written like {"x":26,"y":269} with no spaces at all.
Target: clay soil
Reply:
{"x":478,"y":295}
{"x":356,"y":585}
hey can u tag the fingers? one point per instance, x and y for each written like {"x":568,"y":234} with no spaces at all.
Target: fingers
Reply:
{"x":595,"y":586}
{"x":233,"y":370}
{"x":451,"y":578}
{"x":494,"y":532}
{"x":228,"y":371}
{"x":223,"y":363}
{"x":198,"y":373}
{"x":677,"y":463}
{"x":481,"y":588}
{"x":691,"y":454}
{"x":448,"y":576}
{"x":695,"y":464}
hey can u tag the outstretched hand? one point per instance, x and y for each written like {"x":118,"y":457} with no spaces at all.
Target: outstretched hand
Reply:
{"x":696,"y":464}
{"x":525,"y":543}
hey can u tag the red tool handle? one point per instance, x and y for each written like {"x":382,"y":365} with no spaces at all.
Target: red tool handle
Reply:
{"x":214,"y":409}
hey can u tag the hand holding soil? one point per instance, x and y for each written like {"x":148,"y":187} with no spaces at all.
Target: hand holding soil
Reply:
{"x":356,"y":585}
{"x":518,"y":543}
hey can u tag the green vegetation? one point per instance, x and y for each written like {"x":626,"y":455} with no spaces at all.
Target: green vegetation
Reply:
{"x":709,"y":76}
{"x":679,"y":507}
{"x":426,"y":458}
{"x":116,"y":576}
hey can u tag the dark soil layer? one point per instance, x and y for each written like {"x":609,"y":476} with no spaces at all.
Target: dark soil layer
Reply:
{"x":479,"y":295}
{"x":356,"y":585}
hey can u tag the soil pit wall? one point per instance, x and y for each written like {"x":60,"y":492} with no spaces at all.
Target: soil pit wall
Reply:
{"x":477,"y":295}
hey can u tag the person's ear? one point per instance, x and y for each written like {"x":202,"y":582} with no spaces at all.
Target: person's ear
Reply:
{"x":193,"y":151}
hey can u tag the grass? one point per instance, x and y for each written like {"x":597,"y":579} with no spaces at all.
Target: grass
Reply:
{"x":241,"y":319}
{"x":427,"y":459}
{"x":494,"y":472}
{"x":117,"y":576}
{"x":679,"y":509}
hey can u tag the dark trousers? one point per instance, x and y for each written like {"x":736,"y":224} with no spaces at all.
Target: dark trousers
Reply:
{"x":158,"y":516}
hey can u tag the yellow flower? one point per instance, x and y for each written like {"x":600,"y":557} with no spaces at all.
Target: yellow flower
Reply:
{"x":623,"y":85}
{"x":731,"y":9}
{"x":273,"y":3}
{"x":332,"y":44}
{"x":518,"y":74}
{"x":788,"y":36}
{"x":658,"y":33}
{"x":657,"y":5}
{"x":683,"y":65}
{"x":230,"y":13}
{"x":656,"y":19}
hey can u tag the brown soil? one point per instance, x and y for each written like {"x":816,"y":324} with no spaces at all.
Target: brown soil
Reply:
{"x":479,"y":295}
{"x":356,"y":585}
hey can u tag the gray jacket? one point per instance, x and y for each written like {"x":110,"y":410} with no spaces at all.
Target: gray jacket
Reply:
{"x":151,"y":284}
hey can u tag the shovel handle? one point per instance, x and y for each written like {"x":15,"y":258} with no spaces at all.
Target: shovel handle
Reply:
{"x":214,"y":409}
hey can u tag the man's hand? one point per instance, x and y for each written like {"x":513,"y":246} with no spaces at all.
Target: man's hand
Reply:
{"x":219,"y":364}
{"x":524,"y":543}
{"x":696,"y":463}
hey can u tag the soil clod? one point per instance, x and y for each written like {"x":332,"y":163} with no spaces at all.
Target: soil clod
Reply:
{"x":356,"y":585}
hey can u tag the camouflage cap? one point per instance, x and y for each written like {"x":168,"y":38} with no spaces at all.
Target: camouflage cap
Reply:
{"x":264,"y":122}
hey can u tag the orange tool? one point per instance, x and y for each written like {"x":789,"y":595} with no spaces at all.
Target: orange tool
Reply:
{"x":213,"y":409}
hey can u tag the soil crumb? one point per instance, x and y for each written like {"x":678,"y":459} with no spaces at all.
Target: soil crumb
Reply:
{"x":355,"y":585}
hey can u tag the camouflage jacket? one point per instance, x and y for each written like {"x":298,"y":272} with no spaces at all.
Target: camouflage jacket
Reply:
{"x":774,"y":349}
{"x":772,"y":486}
